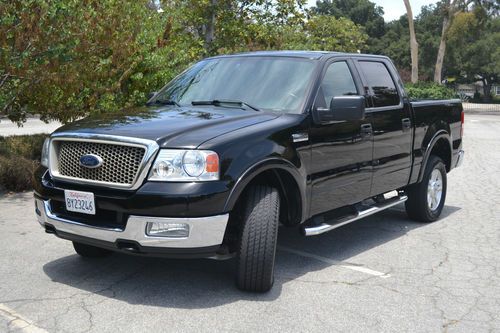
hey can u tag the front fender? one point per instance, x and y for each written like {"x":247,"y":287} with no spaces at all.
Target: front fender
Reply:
{"x":272,"y":163}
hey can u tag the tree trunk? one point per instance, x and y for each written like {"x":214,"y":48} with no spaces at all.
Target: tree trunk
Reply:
{"x":438,"y":71}
{"x":413,"y":43}
{"x":486,"y":89}
{"x":210,"y":26}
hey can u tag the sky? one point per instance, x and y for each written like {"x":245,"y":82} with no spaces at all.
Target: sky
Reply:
{"x":393,"y":9}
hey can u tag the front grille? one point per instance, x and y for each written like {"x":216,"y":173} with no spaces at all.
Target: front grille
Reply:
{"x":120,"y":165}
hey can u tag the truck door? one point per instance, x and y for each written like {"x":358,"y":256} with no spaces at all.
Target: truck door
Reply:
{"x":341,"y":150}
{"x":392,"y":128}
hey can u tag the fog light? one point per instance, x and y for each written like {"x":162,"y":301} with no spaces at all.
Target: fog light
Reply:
{"x":166,"y":229}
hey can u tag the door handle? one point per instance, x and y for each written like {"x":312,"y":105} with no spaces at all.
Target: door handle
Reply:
{"x":366,"y":130}
{"x":406,"y":122}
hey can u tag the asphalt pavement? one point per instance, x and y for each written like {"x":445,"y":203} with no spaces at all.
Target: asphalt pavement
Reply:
{"x":381,"y":274}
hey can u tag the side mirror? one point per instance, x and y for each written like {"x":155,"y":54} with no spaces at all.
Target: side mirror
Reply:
{"x":343,"y":108}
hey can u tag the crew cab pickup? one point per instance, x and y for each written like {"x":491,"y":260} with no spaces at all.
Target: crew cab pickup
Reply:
{"x":237,"y":145}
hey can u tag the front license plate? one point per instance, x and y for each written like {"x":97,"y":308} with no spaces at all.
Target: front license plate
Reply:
{"x":79,"y":202}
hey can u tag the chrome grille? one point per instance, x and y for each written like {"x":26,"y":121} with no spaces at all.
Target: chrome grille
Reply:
{"x":121,"y":163}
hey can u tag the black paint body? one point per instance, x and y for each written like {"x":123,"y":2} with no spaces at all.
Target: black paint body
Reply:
{"x":340,"y":164}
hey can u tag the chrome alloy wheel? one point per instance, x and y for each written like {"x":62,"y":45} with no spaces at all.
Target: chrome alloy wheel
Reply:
{"x":434,"y":190}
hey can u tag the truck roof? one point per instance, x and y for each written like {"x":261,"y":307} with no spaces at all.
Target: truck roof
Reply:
{"x":297,"y":54}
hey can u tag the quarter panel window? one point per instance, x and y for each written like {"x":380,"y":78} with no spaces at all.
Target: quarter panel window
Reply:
{"x":337,"y":81}
{"x":381,"y":83}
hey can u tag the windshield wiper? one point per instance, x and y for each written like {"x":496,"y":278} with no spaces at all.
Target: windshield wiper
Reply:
{"x":220,"y":102}
{"x":163,"y":102}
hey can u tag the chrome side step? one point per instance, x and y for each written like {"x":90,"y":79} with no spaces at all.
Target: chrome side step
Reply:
{"x":327,"y":226}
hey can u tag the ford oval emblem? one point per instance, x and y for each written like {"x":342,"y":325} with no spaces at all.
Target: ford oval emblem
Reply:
{"x":90,"y":161}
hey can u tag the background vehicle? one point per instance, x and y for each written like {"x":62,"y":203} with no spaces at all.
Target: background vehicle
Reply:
{"x":238,"y":144}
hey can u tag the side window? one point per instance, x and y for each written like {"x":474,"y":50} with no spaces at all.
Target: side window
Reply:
{"x":380,"y":81}
{"x":337,"y":81}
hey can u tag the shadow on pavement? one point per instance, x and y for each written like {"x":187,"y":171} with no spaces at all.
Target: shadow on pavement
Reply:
{"x":202,"y":283}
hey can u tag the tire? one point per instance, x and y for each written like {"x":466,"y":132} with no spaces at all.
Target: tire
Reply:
{"x":418,"y":206}
{"x":257,"y":244}
{"x":88,"y":251}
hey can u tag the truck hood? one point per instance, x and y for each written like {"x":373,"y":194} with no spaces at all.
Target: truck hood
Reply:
{"x":169,"y":126}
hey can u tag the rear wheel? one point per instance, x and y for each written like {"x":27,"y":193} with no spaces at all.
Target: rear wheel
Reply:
{"x":89,"y":251}
{"x":426,"y":199}
{"x":257,"y":247}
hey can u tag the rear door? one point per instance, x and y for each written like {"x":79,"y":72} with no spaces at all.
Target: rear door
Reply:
{"x":341,"y":150}
{"x":391,"y":122}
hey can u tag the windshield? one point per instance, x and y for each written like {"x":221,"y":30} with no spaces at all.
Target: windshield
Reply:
{"x":267,"y":83}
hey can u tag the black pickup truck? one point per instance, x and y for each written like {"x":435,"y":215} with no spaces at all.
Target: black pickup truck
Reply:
{"x":239,"y":144}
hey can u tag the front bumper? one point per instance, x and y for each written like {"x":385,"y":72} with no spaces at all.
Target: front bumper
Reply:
{"x":205,"y":233}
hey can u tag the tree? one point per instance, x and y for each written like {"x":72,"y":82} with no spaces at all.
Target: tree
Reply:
{"x":480,"y":60}
{"x":450,"y":9}
{"x":326,"y":33}
{"x":362,"y":12}
{"x":58,"y":57}
{"x":428,"y":26}
{"x":66,"y":59}
{"x":413,"y":43}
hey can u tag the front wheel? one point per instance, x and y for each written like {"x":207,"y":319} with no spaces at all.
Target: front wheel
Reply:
{"x":426,"y":199}
{"x":257,"y":248}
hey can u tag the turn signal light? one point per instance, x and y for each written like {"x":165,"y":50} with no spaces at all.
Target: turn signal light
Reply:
{"x":212,"y":163}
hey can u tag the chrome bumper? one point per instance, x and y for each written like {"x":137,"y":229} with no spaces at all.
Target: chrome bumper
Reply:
{"x":203,"y":231}
{"x":460,"y":158}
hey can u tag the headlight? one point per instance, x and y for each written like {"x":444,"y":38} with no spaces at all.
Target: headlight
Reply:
{"x":45,"y":153}
{"x":185,"y":166}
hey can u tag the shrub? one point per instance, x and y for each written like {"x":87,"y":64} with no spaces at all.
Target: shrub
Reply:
{"x":429,"y":90}
{"x":19,"y":156}
{"x":27,"y":146}
{"x":16,"y":173}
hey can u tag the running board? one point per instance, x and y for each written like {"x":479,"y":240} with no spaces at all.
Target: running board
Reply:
{"x":327,"y":226}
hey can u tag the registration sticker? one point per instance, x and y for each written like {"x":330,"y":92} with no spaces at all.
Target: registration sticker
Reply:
{"x":79,"y":202}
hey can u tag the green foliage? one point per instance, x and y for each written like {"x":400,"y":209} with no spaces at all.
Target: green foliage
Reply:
{"x":429,"y":90}
{"x":323,"y":32}
{"x":65,"y":59}
{"x":480,"y":59}
{"x":361,"y":12}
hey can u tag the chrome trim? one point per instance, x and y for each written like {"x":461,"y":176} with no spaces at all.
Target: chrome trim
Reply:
{"x":460,"y":158}
{"x":203,"y":231}
{"x":324,"y":227}
{"x":437,"y":102}
{"x":150,"y":146}
{"x":385,"y":108}
{"x":300,"y":137}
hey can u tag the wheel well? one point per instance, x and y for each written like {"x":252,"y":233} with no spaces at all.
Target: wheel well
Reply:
{"x":442,"y":149}
{"x":290,"y":202}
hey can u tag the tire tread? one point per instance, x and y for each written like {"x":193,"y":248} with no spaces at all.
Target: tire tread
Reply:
{"x":258,"y":239}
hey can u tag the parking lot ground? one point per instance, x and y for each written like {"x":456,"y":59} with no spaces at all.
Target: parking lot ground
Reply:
{"x":381,"y":274}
